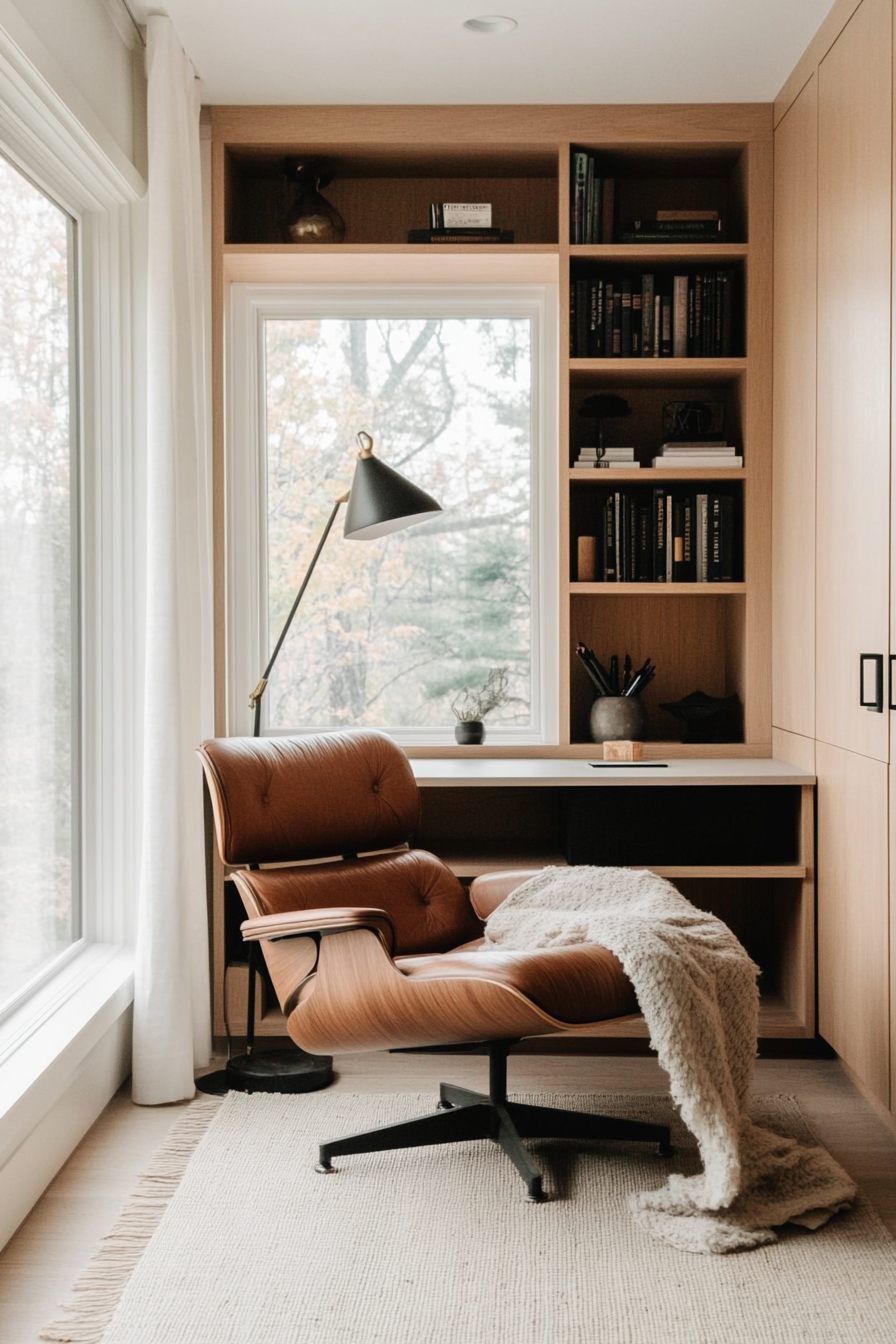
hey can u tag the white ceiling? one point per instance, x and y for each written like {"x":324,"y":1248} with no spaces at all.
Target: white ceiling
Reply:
{"x":563,"y":51}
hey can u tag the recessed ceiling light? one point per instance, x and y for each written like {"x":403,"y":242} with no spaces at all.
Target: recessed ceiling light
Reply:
{"x":491,"y":23}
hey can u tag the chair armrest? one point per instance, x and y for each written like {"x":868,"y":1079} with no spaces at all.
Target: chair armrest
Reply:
{"x":304,"y":923}
{"x":487,"y":892}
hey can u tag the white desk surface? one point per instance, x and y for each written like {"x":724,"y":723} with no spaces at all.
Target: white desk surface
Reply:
{"x":543,"y":772}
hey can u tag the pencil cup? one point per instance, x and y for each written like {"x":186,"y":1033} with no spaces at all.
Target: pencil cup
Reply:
{"x":618,"y":717}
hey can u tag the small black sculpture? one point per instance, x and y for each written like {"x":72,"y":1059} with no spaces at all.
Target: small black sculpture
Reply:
{"x":604,"y":406}
{"x":708,"y":718}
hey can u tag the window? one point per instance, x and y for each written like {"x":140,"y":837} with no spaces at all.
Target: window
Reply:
{"x":451,"y":384}
{"x":39,"y":691}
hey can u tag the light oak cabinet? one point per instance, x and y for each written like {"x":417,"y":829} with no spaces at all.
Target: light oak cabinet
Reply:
{"x":833,"y":518}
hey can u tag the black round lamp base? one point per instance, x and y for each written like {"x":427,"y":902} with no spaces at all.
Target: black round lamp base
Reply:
{"x":270,"y":1071}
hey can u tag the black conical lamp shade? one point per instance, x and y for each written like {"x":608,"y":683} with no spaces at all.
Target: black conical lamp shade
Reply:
{"x":381,"y":500}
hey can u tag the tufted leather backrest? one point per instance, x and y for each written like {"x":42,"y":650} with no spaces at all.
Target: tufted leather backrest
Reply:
{"x":287,"y":798}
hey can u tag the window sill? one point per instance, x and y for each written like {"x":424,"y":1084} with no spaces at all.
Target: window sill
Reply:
{"x":43,"y":1044}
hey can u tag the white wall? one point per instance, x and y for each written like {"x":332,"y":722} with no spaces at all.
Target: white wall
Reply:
{"x":90,"y":53}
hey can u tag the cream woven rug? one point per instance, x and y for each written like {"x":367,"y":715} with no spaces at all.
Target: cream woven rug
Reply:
{"x":437,"y":1245}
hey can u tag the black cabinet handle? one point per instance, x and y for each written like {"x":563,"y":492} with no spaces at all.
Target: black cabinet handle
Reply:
{"x":890,"y":697}
{"x":876,"y":704}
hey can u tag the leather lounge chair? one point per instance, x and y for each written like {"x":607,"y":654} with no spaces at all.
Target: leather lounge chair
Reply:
{"x":374,"y":951}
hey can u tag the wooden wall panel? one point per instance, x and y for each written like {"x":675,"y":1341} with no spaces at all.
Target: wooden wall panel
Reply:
{"x":793,"y":477}
{"x":853,"y":405}
{"x":853,"y":944}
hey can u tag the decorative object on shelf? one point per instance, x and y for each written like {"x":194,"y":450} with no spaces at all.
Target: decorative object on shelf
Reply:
{"x":460,"y":215}
{"x":693,"y":421}
{"x":380,"y":501}
{"x":675,"y":226}
{"x":623,"y":750}
{"x":618,"y":718}
{"x":470,"y":707}
{"x":708,"y":718}
{"x":604,"y":406}
{"x":310,"y":218}
{"x":617,"y":713}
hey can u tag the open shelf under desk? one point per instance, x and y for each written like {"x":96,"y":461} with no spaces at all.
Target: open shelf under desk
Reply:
{"x":777,"y":1021}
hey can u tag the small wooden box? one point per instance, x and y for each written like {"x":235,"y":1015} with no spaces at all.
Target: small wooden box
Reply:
{"x":623,"y":751}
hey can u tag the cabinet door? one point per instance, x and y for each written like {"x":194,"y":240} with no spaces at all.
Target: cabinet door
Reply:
{"x":853,"y":405}
{"x":853,"y":916}
{"x":793,"y":467}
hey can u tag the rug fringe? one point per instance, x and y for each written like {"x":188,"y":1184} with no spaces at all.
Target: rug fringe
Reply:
{"x":97,"y":1291}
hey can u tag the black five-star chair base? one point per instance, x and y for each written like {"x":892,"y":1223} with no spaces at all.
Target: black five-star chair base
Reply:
{"x":463,"y":1115}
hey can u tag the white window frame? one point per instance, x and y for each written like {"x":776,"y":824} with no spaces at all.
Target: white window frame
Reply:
{"x":98,"y":188}
{"x":250,"y":305}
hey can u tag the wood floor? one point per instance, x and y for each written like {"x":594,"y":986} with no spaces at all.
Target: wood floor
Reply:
{"x":51,"y":1247}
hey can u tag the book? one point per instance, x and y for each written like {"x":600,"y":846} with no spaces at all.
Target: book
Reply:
{"x":698,"y":446}
{"x":460,"y":235}
{"x":647,"y":315}
{"x":582,"y":315}
{"x":579,"y":176}
{"x":625,"y":321}
{"x":666,"y":326}
{"x":680,"y":317}
{"x":608,"y":541}
{"x":717,"y":462}
{"x":702,"y":558}
{"x":658,"y":569}
{"x":720,"y":557}
{"x":460,"y":215}
{"x":687,"y":214}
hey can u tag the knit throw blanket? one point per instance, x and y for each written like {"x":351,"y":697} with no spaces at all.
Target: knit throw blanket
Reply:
{"x":696,"y":987}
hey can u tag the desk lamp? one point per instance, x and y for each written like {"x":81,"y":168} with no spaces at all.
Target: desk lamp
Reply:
{"x":380,"y":501}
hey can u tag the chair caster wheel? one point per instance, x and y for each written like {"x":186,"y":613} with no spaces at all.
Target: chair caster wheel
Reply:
{"x":536,"y":1199}
{"x":324,"y":1168}
{"x":444,"y":1105}
{"x":664,"y":1150}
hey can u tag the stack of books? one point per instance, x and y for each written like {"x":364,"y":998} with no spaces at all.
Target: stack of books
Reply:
{"x":612,"y":457}
{"x":666,"y":537}
{"x":714,"y":454}
{"x":675,"y":226}
{"x":653,"y":316}
{"x":460,"y":222}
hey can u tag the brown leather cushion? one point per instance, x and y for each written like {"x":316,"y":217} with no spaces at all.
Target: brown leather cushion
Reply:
{"x":284,"y":798}
{"x":585,"y":983}
{"x":429,"y":909}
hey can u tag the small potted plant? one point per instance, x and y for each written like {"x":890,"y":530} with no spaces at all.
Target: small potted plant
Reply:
{"x":471,"y":707}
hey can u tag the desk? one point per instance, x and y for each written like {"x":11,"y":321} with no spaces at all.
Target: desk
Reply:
{"x":735,"y":835}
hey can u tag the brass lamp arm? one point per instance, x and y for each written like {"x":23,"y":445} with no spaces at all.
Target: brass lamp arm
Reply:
{"x":256,"y":696}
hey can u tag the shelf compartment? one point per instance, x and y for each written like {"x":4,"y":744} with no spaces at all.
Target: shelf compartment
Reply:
{"x":383,"y":193}
{"x":694,"y":633}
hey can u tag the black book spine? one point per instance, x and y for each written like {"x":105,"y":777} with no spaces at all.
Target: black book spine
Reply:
{"x":690,"y":539}
{"x":581,"y":319}
{"x":727,"y":306}
{"x":609,"y":541}
{"x":617,"y":538}
{"x":632,"y":540}
{"x":714,"y":542}
{"x":727,"y":539}
{"x":678,"y":565}
{"x":666,"y":326}
{"x":625,"y":321}
{"x":698,"y":314}
{"x":596,"y":321}
{"x":647,"y":315}
{"x":659,"y":534}
{"x":636,"y":322}
{"x":609,"y":305}
{"x":572,"y":319}
{"x":616,"y":349}
{"x":645,"y":550}
{"x":692,"y":301}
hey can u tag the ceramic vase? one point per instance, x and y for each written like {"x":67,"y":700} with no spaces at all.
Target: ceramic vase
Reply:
{"x":618,"y":718}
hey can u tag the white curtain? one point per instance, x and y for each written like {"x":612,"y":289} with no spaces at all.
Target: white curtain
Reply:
{"x":171,"y":1008}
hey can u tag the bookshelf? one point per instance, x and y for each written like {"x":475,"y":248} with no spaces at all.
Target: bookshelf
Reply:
{"x":389,"y":163}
